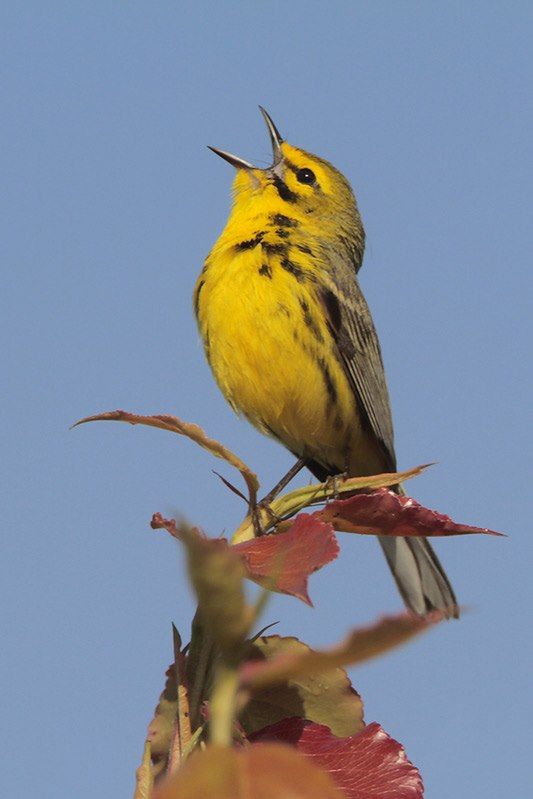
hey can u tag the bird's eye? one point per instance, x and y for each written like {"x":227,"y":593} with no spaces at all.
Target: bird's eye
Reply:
{"x":306,"y":175}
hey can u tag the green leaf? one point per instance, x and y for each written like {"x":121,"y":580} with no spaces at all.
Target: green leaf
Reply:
{"x":217,"y":573}
{"x":325,"y":697}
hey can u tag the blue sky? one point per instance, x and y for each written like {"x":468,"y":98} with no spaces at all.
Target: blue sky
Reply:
{"x":110,"y":202}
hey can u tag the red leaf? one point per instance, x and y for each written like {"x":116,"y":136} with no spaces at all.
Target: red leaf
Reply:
{"x":369,"y":765}
{"x":383,"y":512}
{"x":261,"y":771}
{"x":281,"y":562}
{"x":192,"y":431}
{"x":284,"y":561}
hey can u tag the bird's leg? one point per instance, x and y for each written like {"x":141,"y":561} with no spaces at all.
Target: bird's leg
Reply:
{"x":272,"y":494}
{"x":285,"y":480}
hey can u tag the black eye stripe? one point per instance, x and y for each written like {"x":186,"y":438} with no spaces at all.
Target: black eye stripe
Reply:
{"x":283,"y":190}
{"x":306,"y":175}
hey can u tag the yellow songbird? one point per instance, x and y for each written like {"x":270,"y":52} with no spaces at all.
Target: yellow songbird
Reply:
{"x":289,"y":337}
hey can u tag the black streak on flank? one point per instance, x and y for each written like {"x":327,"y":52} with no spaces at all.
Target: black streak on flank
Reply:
{"x":275,"y":249}
{"x":293,"y":269}
{"x":304,"y":248}
{"x":197,"y":296}
{"x":333,"y":309}
{"x":310,"y":322}
{"x":283,"y":221}
{"x":249,"y":244}
{"x":283,"y":190}
{"x":266,"y":271}
{"x":328,"y":380}
{"x":339,"y":332}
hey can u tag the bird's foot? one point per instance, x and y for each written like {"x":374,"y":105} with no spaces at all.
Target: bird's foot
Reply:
{"x":257,"y":514}
{"x":333,"y":483}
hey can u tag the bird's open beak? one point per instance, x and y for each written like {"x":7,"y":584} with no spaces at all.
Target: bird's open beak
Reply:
{"x":234,"y":160}
{"x":275,"y":139}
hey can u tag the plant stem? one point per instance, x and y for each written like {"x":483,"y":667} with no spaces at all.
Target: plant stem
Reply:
{"x":222,"y":705}
{"x":288,"y":505}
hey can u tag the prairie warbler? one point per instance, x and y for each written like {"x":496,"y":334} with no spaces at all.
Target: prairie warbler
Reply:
{"x":289,"y":337}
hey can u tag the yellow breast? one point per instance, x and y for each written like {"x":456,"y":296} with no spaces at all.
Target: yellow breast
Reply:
{"x":270,"y":349}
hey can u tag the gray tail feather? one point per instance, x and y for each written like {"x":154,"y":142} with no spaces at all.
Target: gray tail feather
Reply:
{"x":420,"y":578}
{"x":416,"y":569}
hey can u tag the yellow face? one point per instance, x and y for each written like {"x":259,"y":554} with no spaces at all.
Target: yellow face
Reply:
{"x":299,"y":180}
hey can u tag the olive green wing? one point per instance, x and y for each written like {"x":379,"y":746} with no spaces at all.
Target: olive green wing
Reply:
{"x":417,"y":571}
{"x":352,"y":328}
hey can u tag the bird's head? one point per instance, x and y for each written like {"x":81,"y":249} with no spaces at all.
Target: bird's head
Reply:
{"x":296,"y":184}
